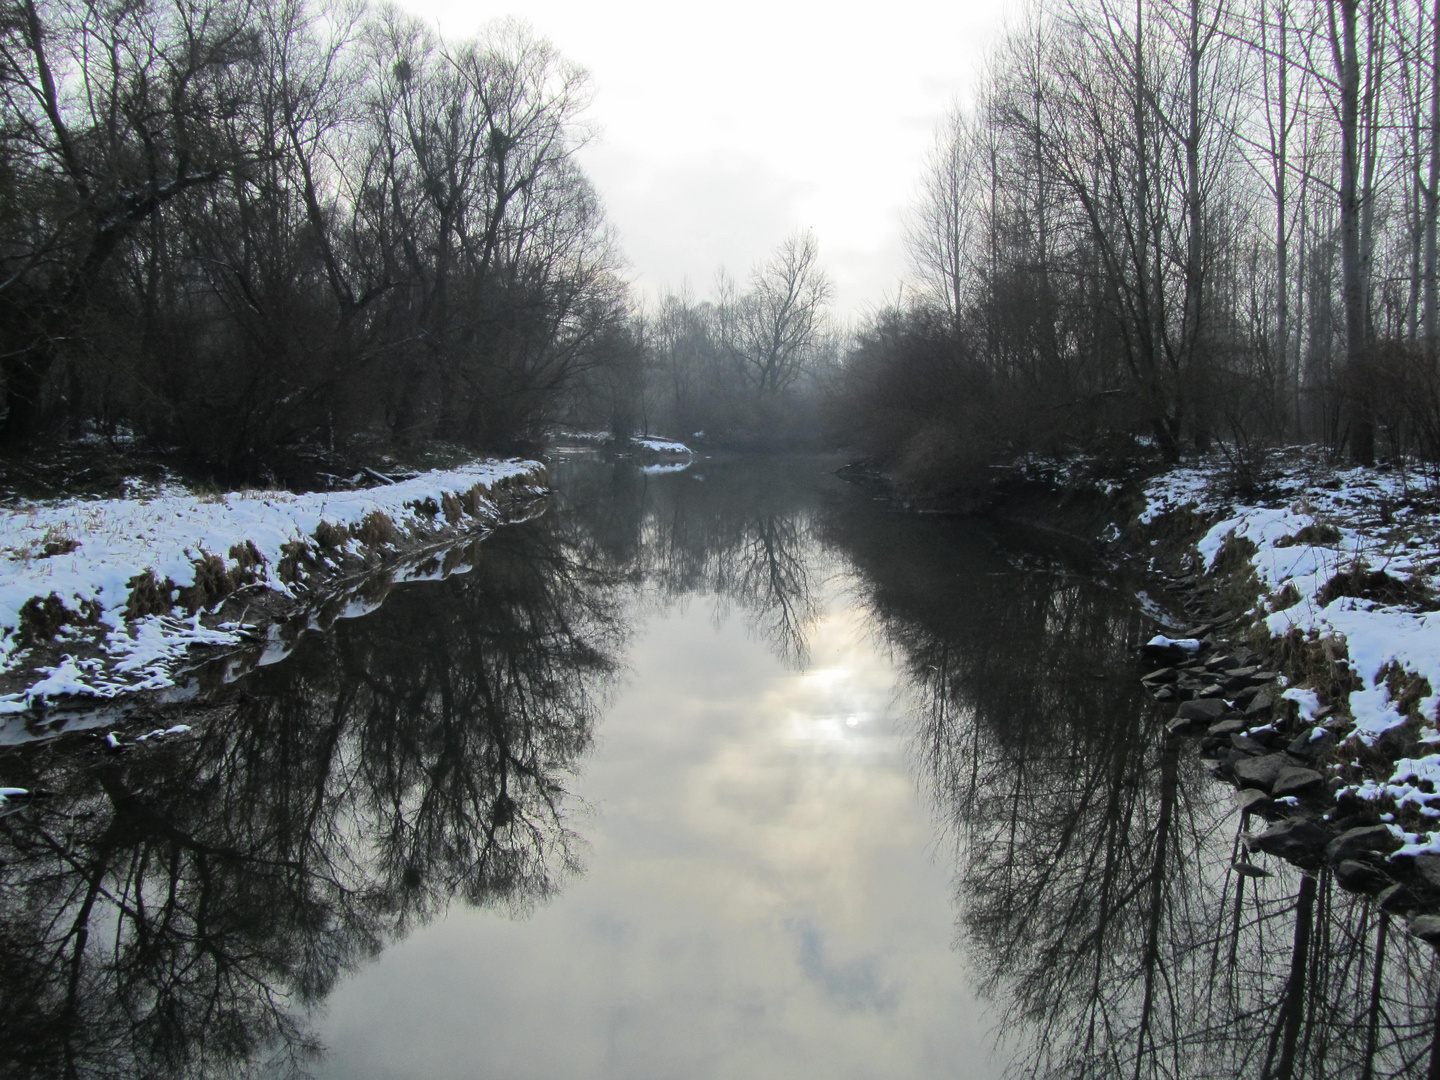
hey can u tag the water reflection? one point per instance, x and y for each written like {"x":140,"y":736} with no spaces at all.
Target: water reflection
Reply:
{"x":181,"y":908}
{"x":1096,"y":887}
{"x":171,"y":910}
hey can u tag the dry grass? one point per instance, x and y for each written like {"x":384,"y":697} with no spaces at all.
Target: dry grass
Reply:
{"x":149,"y":595}
{"x":377,"y":530}
{"x":330,"y":536}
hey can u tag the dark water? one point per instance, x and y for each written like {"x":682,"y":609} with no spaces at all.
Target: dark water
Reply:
{"x":724,"y":773}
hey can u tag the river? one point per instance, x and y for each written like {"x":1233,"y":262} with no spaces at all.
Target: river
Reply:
{"x":733,"y":772}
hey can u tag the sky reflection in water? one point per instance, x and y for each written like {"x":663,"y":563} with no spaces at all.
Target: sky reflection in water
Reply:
{"x":761,"y":898}
{"x":629,"y":721}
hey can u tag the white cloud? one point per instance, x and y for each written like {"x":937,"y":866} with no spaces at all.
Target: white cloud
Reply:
{"x":727,"y":127}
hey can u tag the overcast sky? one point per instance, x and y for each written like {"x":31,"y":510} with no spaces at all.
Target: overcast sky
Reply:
{"x":725,"y":127}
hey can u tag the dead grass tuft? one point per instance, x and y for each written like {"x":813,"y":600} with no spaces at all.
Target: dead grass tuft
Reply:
{"x":377,"y":529}
{"x":1365,"y":584}
{"x":452,"y":508}
{"x":1321,"y":663}
{"x":1315,"y":535}
{"x":213,"y":583}
{"x":294,"y":558}
{"x":149,"y":595}
{"x":41,"y":620}
{"x":330,"y":536}
{"x":248,"y":563}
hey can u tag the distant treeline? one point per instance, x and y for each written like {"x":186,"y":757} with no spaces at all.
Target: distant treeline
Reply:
{"x":745,"y":368}
{"x":1178,"y":219}
{"x":245,"y":227}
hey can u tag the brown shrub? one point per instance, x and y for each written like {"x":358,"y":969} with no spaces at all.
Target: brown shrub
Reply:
{"x":426,"y":507}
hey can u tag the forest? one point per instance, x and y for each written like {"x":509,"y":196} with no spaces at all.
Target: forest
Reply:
{"x":269,"y":231}
{"x":1186,"y":223}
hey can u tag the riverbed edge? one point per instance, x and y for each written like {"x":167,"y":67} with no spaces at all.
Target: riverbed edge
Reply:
{"x":1319,"y":782}
{"x":222,"y":572}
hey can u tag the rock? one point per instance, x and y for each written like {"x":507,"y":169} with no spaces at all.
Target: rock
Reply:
{"x":1162,"y":650}
{"x":1225,"y":662}
{"x":1226,"y":728}
{"x":1397,"y":899}
{"x":1312,"y":742}
{"x":1298,"y":839}
{"x":1361,"y":877}
{"x":1426,"y":928}
{"x":1245,"y":869}
{"x":1246,"y":745}
{"x":1206,"y":709}
{"x":1359,"y":841}
{"x":1398,"y":742}
{"x":1161,"y":675}
{"x":1251,"y":800}
{"x":1188,"y":688}
{"x":1295,"y":781}
{"x":1427,"y":865}
{"x":1261,"y":772}
{"x":1210,"y":692}
{"x":1185,"y":727}
{"x":1260,"y":705}
{"x":1165,"y":693}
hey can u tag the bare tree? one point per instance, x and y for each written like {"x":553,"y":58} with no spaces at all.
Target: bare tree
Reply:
{"x":781,"y":318}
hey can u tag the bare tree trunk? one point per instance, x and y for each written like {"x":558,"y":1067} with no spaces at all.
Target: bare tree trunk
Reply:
{"x":1293,"y":1007}
{"x":1352,"y":284}
{"x":1432,"y":191}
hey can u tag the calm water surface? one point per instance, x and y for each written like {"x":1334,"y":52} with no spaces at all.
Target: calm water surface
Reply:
{"x":732,"y":772}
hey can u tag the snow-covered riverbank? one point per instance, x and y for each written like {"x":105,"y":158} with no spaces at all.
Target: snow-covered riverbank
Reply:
{"x":105,"y":597}
{"x":1342,"y":568}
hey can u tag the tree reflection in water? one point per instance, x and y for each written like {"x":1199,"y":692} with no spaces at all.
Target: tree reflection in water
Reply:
{"x":1096,"y":889}
{"x":173,"y":910}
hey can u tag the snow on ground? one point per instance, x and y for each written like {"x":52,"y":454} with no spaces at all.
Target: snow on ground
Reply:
{"x":86,"y":554}
{"x":661,"y":446}
{"x":1316,"y":523}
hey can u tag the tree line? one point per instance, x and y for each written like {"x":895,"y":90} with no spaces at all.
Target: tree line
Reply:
{"x":1177,"y":219}
{"x":247,"y":228}
{"x":744,"y":367}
